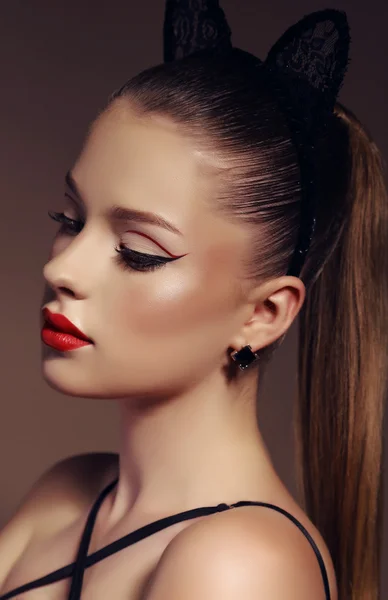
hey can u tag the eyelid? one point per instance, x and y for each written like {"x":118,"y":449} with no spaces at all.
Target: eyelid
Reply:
{"x":153,"y":241}
{"x":76,"y":204}
{"x":71,"y":214}
{"x":128,"y":239}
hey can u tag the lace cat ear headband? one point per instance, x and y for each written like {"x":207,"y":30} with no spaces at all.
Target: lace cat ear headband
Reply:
{"x":306,"y":68}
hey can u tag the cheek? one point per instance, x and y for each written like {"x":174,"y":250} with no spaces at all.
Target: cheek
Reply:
{"x":157,"y":305}
{"x":161,"y":304}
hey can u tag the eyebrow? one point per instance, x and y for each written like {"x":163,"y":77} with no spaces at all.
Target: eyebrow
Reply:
{"x":122,"y":213}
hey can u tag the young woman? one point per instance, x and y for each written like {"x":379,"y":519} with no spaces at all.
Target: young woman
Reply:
{"x":216,"y":198}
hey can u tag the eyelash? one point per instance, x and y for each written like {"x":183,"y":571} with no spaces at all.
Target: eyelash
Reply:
{"x":127,"y":258}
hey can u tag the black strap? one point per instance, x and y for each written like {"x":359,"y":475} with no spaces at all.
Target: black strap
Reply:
{"x":83,"y":561}
{"x":302,"y":529}
{"x":116,"y":546}
{"x":79,"y":568}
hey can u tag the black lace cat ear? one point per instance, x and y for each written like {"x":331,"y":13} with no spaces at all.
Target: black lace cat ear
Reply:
{"x":192,"y":25}
{"x":316,"y":48}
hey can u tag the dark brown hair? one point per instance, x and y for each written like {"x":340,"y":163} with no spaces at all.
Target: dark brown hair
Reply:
{"x":229,"y":107}
{"x":343,"y":378}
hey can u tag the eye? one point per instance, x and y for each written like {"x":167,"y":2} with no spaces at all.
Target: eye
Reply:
{"x":68,"y":226}
{"x":127,"y":258}
{"x":137,"y":261}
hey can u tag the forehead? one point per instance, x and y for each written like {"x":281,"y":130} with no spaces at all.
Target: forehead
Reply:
{"x":144,"y":156}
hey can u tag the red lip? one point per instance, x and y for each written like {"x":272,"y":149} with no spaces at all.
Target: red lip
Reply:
{"x":60,"y":333}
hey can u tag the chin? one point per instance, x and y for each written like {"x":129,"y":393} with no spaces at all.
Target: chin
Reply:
{"x":64,"y":376}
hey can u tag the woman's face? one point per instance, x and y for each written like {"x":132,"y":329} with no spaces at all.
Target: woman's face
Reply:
{"x":154,"y":331}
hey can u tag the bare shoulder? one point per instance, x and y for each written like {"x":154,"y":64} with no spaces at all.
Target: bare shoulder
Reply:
{"x":242,"y":553}
{"x":70,"y":483}
{"x":59,"y":495}
{"x":73,"y":480}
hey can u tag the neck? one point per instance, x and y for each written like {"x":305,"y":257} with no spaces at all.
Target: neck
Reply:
{"x":199,"y":449}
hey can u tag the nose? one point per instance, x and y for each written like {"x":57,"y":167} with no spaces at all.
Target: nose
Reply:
{"x":66,"y":271}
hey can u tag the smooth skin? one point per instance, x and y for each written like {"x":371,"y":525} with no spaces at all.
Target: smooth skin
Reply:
{"x":161,"y":342}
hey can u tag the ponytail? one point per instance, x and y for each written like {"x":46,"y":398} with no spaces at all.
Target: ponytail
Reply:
{"x":343,"y":379}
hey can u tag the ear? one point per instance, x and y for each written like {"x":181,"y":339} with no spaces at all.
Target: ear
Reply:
{"x":192,"y":26}
{"x":272,"y":308}
{"x":316,"y":49}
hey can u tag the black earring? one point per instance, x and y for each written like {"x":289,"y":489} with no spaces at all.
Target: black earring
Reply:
{"x":244,"y":357}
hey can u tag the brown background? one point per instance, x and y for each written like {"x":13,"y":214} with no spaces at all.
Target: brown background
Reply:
{"x":59,"y":61}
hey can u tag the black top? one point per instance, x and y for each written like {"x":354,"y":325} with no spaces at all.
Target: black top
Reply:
{"x":76,"y":569}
